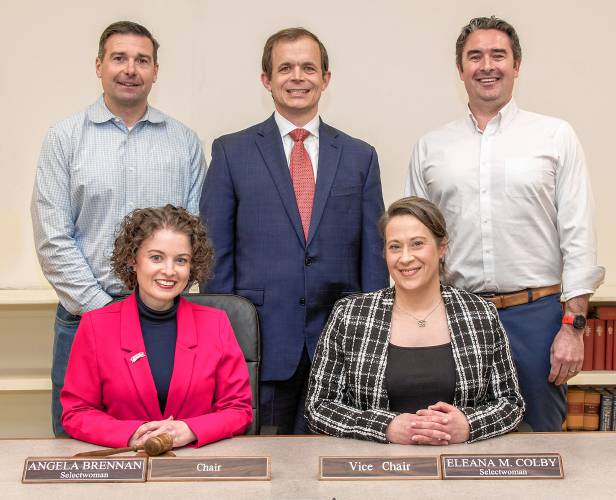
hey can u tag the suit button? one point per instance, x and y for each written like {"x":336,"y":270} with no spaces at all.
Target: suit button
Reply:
{"x":302,"y":301}
{"x":308,"y":260}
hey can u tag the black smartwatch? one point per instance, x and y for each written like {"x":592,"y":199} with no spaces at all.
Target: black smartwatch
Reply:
{"x":578,"y":321}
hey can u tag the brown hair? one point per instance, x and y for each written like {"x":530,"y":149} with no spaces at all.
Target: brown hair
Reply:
{"x":142,"y":223}
{"x":290,"y":34}
{"x":489,"y":23}
{"x":123,"y":28}
{"x":423,"y":210}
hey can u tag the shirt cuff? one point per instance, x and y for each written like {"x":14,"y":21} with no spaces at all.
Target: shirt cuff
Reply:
{"x":582,"y":281}
{"x":101,"y":299}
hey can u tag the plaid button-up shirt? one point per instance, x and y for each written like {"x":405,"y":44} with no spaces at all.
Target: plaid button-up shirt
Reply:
{"x":92,"y":171}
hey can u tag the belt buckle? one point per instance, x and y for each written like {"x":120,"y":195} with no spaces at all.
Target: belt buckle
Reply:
{"x":488,"y":295}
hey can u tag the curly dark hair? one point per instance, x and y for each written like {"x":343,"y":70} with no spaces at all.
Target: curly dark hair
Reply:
{"x":142,"y":223}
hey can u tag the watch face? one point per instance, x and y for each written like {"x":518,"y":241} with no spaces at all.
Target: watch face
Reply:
{"x":579,"y":322}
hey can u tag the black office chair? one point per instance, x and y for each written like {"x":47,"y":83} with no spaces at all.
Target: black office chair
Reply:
{"x":245,"y":323}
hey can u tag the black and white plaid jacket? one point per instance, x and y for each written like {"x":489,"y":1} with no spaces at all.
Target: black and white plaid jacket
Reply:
{"x":347,"y":395}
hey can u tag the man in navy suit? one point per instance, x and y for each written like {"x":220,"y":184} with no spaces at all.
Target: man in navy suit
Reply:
{"x":293,"y":218}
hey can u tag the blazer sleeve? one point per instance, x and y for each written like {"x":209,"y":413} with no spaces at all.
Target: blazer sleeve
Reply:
{"x":232,"y":408}
{"x":83,"y":415}
{"x":329,"y":410}
{"x":374,"y":275}
{"x":503,"y":407}
{"x":218,"y":208}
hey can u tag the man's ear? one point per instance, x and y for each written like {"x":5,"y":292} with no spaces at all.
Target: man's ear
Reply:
{"x":460,"y":70}
{"x":516,"y":68}
{"x":327,"y":76}
{"x":265,"y":80}
{"x":97,"y":65}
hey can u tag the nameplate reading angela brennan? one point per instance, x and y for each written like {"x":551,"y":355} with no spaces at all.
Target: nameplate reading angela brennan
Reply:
{"x":209,"y":468}
{"x":531,"y":466}
{"x":409,"y":467}
{"x":84,"y":470}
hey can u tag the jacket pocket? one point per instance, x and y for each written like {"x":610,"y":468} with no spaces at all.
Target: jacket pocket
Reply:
{"x":345,"y":190}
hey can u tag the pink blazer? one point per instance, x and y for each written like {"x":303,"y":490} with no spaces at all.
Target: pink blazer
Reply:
{"x":109,"y":390}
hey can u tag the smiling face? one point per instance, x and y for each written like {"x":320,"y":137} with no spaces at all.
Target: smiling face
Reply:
{"x":162,"y":266}
{"x":488,"y":69}
{"x":297,"y":79}
{"x":127,"y":71}
{"x":412,"y":254}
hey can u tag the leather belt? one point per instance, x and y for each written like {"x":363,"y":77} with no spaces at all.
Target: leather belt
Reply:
{"x":502,"y":301}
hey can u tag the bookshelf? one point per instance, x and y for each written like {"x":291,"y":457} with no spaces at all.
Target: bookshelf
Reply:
{"x":607,"y":297}
{"x":26,"y":336}
{"x":595,"y":377}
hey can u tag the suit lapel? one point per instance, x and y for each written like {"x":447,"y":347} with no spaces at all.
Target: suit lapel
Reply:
{"x":329,"y":157}
{"x":270,"y":146}
{"x":183,"y":363}
{"x":136,"y":359}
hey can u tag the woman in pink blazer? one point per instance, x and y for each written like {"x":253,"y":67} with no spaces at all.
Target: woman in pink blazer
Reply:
{"x":155,"y":363}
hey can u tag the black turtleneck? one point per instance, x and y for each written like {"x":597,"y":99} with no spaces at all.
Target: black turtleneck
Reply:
{"x":159,"y":330}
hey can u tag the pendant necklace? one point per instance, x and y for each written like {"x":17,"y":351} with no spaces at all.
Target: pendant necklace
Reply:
{"x":421,"y":323}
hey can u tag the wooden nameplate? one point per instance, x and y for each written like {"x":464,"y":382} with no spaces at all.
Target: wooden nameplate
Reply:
{"x":84,"y":470}
{"x":361,"y":468}
{"x":506,"y":466}
{"x":209,"y":469}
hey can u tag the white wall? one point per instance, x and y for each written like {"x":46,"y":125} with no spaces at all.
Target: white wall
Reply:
{"x":393,"y":79}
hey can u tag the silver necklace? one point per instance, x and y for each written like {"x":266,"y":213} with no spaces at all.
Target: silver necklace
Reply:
{"x":421,"y":323}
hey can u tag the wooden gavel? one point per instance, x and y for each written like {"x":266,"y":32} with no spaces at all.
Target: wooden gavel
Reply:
{"x":153,"y":447}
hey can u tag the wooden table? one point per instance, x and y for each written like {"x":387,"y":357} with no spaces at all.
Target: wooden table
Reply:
{"x":589,"y":460}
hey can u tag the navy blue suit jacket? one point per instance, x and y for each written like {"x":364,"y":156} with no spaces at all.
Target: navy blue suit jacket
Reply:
{"x":249,"y":208}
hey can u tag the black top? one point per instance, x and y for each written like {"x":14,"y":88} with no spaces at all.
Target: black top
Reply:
{"x":159,"y":330}
{"x":416,"y":377}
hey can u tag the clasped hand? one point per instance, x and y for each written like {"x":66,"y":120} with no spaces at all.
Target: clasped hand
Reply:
{"x":439,"y":424}
{"x":177,"y":429}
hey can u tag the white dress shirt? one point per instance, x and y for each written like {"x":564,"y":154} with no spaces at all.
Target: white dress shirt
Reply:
{"x":517,"y":201}
{"x":311,"y":143}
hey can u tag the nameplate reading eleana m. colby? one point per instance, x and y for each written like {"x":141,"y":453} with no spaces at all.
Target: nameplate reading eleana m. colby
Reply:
{"x":209,"y":469}
{"x":84,"y":470}
{"x":350,"y":468}
{"x":530,"y":466}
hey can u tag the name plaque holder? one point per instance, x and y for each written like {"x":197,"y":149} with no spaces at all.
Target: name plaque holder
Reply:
{"x":84,"y":470}
{"x":502,"y":466}
{"x":372,"y":468}
{"x":209,"y":469}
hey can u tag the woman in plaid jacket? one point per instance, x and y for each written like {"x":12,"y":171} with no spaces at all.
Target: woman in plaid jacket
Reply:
{"x":418,"y":363}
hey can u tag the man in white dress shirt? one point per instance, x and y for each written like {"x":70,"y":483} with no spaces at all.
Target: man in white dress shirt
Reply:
{"x":515,"y":192}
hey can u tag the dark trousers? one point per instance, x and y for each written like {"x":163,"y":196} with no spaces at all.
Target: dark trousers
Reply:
{"x":65,"y":328}
{"x":531,"y":329}
{"x":282,"y":402}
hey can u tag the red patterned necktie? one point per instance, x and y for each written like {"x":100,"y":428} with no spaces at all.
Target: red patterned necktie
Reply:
{"x":302,"y":176}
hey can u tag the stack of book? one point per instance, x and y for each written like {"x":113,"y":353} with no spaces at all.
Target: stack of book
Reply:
{"x":591,"y":409}
{"x":599,"y":345}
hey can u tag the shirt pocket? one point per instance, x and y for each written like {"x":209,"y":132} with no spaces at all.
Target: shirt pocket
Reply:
{"x":528,"y":177}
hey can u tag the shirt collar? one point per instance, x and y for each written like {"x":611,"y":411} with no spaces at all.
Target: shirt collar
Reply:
{"x":285,"y":126}
{"x":502,"y":118}
{"x":99,"y":113}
